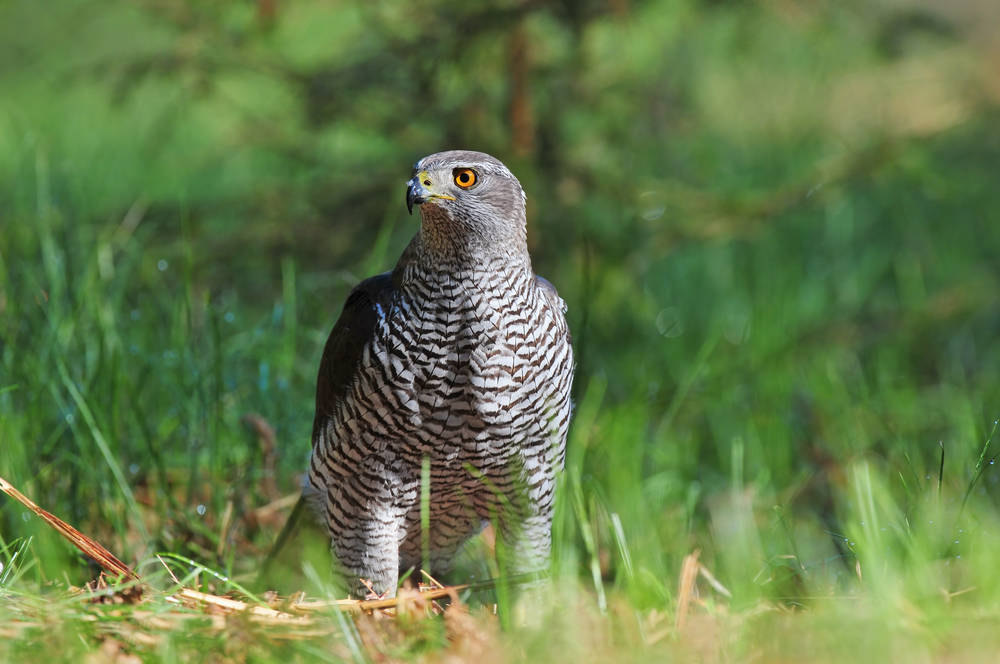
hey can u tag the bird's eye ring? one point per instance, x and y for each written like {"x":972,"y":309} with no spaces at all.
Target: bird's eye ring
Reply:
{"x":464,"y":177}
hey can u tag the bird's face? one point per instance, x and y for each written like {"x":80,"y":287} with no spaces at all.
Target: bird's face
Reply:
{"x":470,"y":188}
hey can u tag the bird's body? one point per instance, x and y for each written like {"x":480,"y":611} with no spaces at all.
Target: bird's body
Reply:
{"x":456,"y":366}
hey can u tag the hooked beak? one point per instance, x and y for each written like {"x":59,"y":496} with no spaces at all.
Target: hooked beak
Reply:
{"x":415,"y":193}
{"x":418,"y":191}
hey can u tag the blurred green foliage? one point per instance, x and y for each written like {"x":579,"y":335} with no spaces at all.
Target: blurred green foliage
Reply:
{"x":776,"y":226}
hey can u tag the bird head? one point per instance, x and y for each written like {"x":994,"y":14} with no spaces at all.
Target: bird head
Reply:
{"x":469,"y":193}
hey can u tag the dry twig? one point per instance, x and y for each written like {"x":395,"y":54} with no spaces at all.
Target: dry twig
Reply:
{"x":686,"y":587}
{"x":90,"y":547}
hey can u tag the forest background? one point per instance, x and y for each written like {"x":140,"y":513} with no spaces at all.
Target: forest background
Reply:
{"x":776,"y":225}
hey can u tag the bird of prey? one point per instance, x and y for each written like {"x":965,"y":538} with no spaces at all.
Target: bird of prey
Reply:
{"x":444,"y":389}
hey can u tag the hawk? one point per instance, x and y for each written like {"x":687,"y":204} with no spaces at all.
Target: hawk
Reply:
{"x":444,"y":389}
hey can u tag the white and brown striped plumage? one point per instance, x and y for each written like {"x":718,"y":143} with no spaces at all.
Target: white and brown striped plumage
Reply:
{"x":460,"y":356}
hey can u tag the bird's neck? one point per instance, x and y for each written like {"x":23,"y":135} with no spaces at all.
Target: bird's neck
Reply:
{"x":430,"y":261}
{"x":445,"y":244}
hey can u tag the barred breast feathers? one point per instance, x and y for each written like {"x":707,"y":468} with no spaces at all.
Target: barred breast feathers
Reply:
{"x":460,"y":356}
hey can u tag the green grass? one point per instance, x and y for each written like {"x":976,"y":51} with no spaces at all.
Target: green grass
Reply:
{"x":776,"y":227}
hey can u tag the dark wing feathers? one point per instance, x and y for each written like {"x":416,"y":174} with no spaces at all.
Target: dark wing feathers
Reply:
{"x":346,"y":343}
{"x":341,"y":356}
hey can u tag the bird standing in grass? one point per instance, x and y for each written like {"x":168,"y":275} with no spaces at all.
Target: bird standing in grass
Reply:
{"x":449,"y":377}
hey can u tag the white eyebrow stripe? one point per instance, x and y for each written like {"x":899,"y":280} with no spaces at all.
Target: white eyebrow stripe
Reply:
{"x":489,"y":169}
{"x":452,"y":159}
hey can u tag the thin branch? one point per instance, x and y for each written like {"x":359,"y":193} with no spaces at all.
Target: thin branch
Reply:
{"x":90,"y":547}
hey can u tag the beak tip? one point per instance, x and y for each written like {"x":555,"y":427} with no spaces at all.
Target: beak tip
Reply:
{"x":410,"y":197}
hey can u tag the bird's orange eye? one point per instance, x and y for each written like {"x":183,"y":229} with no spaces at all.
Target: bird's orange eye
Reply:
{"x":464,"y":177}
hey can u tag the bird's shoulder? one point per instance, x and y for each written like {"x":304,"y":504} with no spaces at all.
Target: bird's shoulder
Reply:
{"x":345,"y":346}
{"x":555,"y":304}
{"x":550,"y":294}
